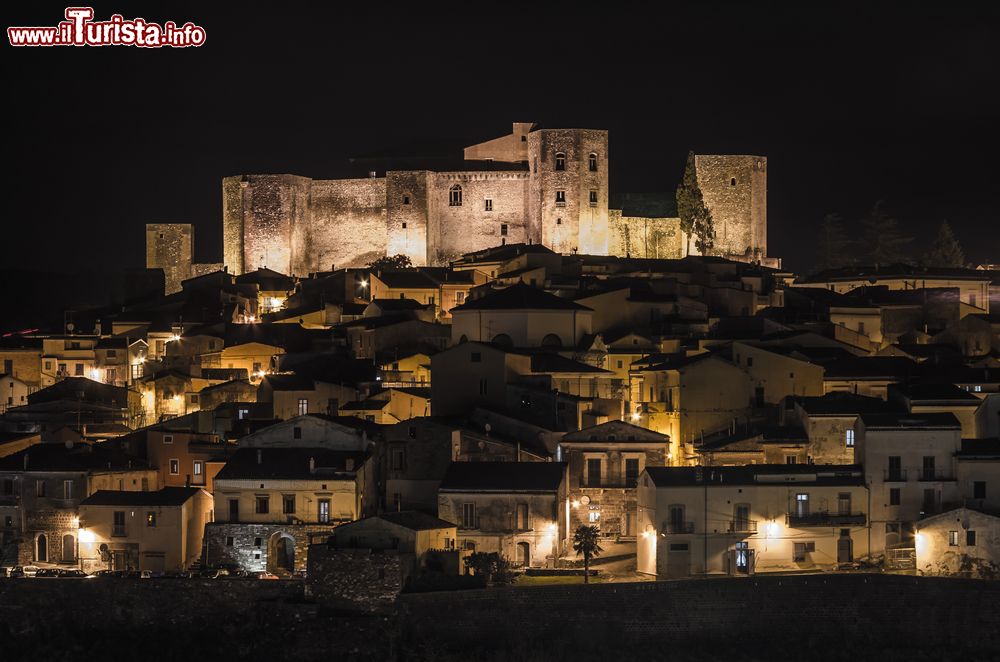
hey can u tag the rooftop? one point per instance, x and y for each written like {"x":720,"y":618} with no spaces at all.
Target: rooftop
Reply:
{"x":905,"y":421}
{"x":519,"y":297}
{"x":756,"y":474}
{"x":291,"y":464}
{"x":535,"y":477}
{"x":167,"y":496}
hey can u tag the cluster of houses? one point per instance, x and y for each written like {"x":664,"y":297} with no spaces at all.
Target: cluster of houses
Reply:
{"x":716,"y":416}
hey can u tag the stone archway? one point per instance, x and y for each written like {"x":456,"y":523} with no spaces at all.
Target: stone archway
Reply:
{"x":281,"y":553}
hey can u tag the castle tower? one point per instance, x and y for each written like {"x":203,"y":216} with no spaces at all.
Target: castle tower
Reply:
{"x":735,"y":191}
{"x":170,"y":247}
{"x":568,"y":189}
{"x":259,"y":227}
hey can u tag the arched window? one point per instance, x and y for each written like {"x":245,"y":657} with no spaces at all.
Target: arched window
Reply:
{"x":732,"y":181}
{"x":592,"y":162}
{"x":463,"y":339}
{"x":503,"y":340}
{"x":552,"y":340}
{"x":455,"y":196}
{"x":560,"y":161}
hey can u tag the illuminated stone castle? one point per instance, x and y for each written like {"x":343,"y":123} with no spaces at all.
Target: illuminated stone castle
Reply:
{"x":534,"y":185}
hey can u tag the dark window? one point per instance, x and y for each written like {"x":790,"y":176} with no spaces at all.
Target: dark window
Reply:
{"x":468,"y":515}
{"x":288,"y":504}
{"x":631,"y":472}
{"x":970,"y":538}
{"x":229,"y":541}
{"x":594,"y":472}
{"x":893,"y":496}
{"x":592,"y":162}
{"x":118,"y":525}
{"x":593,"y":198}
{"x":928,"y":467}
{"x":979,"y":489}
{"x":560,"y":197}
{"x":399,"y":459}
{"x":406,"y":201}
{"x":749,"y":361}
{"x":234,"y":510}
{"x":895,"y":471}
{"x":263,"y":505}
{"x":732,"y":182}
{"x":503,"y":229}
{"x":476,"y":357}
{"x":560,"y":161}
{"x":257,"y":542}
{"x":404,"y":225}
{"x":455,"y":196}
{"x":558,"y":221}
{"x":296,"y":432}
{"x":488,"y":204}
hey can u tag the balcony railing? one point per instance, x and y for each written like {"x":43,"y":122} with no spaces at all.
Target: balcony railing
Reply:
{"x":826,"y":519}
{"x":678,"y":527}
{"x":928,"y":475}
{"x":895,"y":475}
{"x":118,"y":531}
{"x":743,"y":526}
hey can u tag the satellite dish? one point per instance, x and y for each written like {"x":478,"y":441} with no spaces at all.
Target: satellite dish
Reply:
{"x":585,"y":500}
{"x":70,"y":326}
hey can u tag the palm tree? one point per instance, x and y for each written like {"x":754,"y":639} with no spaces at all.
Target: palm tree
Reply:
{"x":585,"y":542}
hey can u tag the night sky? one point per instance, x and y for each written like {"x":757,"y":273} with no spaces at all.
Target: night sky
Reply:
{"x":849,"y":104}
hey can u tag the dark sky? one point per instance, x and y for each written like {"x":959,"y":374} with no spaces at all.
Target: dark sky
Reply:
{"x":850,"y":104}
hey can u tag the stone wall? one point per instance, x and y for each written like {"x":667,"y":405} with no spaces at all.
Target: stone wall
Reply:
{"x":735,"y":190}
{"x":633,"y":236}
{"x":345,"y":225}
{"x":170,"y":247}
{"x":246,"y":553}
{"x":356,"y":579}
{"x":758,"y":616}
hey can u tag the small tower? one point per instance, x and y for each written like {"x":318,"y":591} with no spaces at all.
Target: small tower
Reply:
{"x":170,"y":247}
{"x":735,"y":191}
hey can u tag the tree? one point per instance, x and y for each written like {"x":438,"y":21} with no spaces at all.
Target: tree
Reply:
{"x":585,"y":541}
{"x":885,"y":242}
{"x":490,"y":565}
{"x":833,"y":244}
{"x":387,"y":262}
{"x":945,"y":251}
{"x":696,"y":219}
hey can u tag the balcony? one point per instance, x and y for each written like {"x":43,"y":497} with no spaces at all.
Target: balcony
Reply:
{"x":118,"y":531}
{"x":827,"y":519}
{"x":894,"y":476}
{"x":743,"y":526}
{"x":673,"y":528}
{"x":930,"y":475}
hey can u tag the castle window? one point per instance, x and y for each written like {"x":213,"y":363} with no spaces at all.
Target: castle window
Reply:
{"x":406,"y":199}
{"x":560,"y":197}
{"x":732,"y":182}
{"x":404,"y":225}
{"x":455,"y":196}
{"x":524,"y":139}
{"x":161,"y":235}
{"x":593,"y":198}
{"x":503,"y":229}
{"x":592,"y":162}
{"x":558,"y":221}
{"x":488,"y":204}
{"x":560,"y":161}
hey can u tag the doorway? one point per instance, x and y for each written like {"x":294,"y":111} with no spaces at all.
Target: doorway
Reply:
{"x":524,"y":554}
{"x":845,"y":549}
{"x":68,"y":549}
{"x":42,"y":548}
{"x":281,"y":553}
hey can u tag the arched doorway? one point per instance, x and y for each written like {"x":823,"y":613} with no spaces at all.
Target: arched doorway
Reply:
{"x":42,"y":548}
{"x":68,"y":549}
{"x":281,"y":553}
{"x":552,"y":341}
{"x":524,"y":554}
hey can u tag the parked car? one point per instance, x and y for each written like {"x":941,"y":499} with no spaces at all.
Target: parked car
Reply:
{"x":49,"y":573}
{"x":266,"y":575}
{"x":75,"y":573}
{"x":29,"y":570}
{"x":212,"y":573}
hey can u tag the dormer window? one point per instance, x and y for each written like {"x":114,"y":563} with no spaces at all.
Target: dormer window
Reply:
{"x":560,"y":161}
{"x":592,"y":162}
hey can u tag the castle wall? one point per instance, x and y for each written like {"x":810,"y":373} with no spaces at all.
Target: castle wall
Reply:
{"x":735,"y":190}
{"x":575,"y":224}
{"x":345,"y":225}
{"x":636,"y":236}
{"x":232,"y":224}
{"x":408,"y":211}
{"x":455,"y":230}
{"x":170,"y":247}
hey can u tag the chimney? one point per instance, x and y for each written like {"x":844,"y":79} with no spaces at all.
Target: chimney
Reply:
{"x":312,"y":465}
{"x":260,"y":456}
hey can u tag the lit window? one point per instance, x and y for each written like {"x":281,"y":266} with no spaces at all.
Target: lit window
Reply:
{"x":455,"y":196}
{"x":198,"y":467}
{"x":151,"y":519}
{"x":263,"y":505}
{"x":953,"y":538}
{"x":560,"y":161}
{"x":849,"y":438}
{"x":303,"y":406}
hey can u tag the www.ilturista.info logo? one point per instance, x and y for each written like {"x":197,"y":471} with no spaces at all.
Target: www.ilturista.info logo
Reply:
{"x":79,"y":29}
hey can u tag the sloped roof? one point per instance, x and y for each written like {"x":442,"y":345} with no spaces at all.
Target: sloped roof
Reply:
{"x":903,"y":420}
{"x":618,"y":429}
{"x":842,"y":404}
{"x":167,"y":496}
{"x":519,"y":297}
{"x":541,"y":477}
{"x":757,"y":474}
{"x":416,"y":520}
{"x":289,"y":463}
